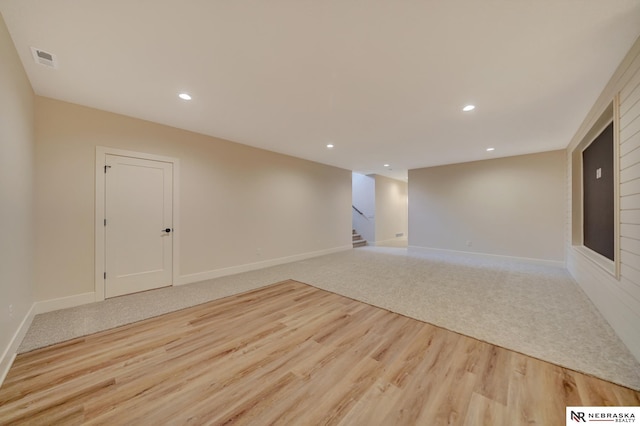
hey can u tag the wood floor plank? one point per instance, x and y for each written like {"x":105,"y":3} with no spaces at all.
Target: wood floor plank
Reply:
{"x":485,"y":411}
{"x":291,"y":354}
{"x":381,"y":399}
{"x":444,"y":406}
{"x":427,"y":367}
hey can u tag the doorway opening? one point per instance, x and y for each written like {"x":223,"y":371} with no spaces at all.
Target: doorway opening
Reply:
{"x":380,"y":210}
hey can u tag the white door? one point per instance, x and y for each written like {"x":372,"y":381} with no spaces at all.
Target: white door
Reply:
{"x":139,"y":224}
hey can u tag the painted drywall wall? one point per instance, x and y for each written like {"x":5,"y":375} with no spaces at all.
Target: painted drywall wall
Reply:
{"x":238,"y":205}
{"x":617,"y":299}
{"x":364,"y":199}
{"x":16,"y":192}
{"x":391,"y":209}
{"x":513,"y":206}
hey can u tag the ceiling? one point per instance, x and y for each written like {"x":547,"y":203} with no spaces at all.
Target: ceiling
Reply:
{"x":383,"y":80}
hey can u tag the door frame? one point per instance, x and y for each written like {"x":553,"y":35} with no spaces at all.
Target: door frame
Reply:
{"x":100,"y":260}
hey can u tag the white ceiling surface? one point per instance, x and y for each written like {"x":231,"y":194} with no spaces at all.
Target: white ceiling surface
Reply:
{"x":383,"y":80}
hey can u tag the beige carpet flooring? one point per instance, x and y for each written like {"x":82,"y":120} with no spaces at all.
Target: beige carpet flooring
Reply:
{"x":533,"y":309}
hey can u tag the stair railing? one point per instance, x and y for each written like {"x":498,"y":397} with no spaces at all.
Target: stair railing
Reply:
{"x":359,"y":212}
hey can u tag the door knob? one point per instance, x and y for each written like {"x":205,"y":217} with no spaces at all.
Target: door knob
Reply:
{"x":167,"y":230}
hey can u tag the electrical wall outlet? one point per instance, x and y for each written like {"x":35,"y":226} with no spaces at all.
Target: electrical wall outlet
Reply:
{"x":11,"y":310}
{"x":469,"y":243}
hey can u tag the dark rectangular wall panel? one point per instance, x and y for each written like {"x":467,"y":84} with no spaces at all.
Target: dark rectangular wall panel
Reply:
{"x":597,"y":169}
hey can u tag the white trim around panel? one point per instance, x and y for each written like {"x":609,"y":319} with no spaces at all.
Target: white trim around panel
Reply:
{"x":610,"y":266}
{"x":99,"y":264}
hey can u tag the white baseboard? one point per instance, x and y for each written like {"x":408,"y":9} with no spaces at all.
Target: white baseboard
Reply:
{"x":38,"y":308}
{"x":64,"y":302}
{"x":488,"y":256}
{"x":389,"y":241}
{"x":84,"y":298}
{"x":44,"y":306}
{"x":9,"y":353}
{"x":217,"y":273}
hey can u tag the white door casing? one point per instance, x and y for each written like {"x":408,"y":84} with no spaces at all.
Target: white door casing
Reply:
{"x":135,"y":202}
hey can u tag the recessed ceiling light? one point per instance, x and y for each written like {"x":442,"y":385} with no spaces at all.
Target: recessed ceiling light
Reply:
{"x":329,"y":145}
{"x":469,"y":108}
{"x":185,"y":96}
{"x":491,"y":149}
{"x":385,"y":165}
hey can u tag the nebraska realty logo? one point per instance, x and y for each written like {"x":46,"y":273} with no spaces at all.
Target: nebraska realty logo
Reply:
{"x":578,"y":415}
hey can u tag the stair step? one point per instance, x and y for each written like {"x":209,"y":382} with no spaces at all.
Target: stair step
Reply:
{"x":357,"y":239}
{"x":359,"y":243}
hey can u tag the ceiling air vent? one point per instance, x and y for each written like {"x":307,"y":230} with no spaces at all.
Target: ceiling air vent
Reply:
{"x":44,"y":58}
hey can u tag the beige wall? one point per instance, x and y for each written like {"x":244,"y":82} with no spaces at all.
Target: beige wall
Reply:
{"x":617,"y":299}
{"x":391,"y":208}
{"x":16,"y":191}
{"x":234,"y":199}
{"x":513,"y":206}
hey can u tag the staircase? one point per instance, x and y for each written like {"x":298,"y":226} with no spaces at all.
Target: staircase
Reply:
{"x":358,"y":241}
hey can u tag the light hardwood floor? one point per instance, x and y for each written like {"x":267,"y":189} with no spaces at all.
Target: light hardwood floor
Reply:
{"x":291,"y":354}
